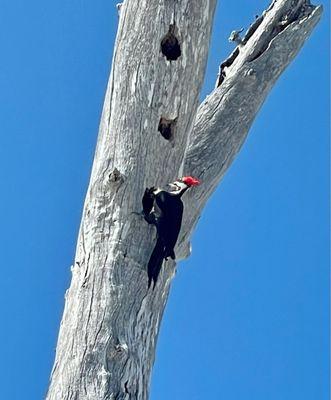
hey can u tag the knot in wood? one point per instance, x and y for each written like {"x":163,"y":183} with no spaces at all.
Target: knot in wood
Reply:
{"x":121,"y":348}
{"x":250,"y":72}
{"x":115,"y":177}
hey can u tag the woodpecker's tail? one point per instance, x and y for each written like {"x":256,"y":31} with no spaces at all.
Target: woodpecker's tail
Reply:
{"x":155,"y":262}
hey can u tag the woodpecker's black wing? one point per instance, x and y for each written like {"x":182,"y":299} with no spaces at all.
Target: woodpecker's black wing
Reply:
{"x":165,"y":211}
{"x":170,"y":224}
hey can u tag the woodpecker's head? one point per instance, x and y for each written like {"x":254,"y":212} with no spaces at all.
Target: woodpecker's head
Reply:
{"x":182,"y":184}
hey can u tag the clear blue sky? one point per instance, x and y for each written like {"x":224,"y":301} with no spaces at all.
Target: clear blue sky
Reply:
{"x":248,"y":313}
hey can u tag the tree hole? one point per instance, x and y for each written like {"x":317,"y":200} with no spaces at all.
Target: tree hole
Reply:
{"x":170,"y":46}
{"x":167,"y":127}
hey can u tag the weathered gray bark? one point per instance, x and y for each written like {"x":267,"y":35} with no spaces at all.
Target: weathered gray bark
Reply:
{"x":110,"y":324}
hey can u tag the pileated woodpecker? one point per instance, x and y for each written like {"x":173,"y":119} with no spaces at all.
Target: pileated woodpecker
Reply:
{"x":164,"y":209}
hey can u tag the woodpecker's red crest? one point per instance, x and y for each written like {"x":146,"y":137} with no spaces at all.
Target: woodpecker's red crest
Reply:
{"x":190,"y":181}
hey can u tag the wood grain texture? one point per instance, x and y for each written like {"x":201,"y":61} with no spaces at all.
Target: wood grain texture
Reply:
{"x":108,"y":333}
{"x":109,"y":328}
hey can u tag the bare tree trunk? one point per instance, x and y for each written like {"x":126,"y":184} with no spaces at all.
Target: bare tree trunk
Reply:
{"x":109,"y":329}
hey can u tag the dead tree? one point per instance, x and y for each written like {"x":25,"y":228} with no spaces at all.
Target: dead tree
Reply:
{"x":153,"y":130}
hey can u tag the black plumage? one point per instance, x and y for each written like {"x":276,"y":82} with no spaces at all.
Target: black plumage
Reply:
{"x":164,"y":210}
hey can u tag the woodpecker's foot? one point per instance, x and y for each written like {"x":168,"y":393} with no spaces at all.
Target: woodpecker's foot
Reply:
{"x":150,"y":190}
{"x":150,"y":218}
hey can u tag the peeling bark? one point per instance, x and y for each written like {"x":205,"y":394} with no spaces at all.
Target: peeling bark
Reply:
{"x":109,"y":329}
